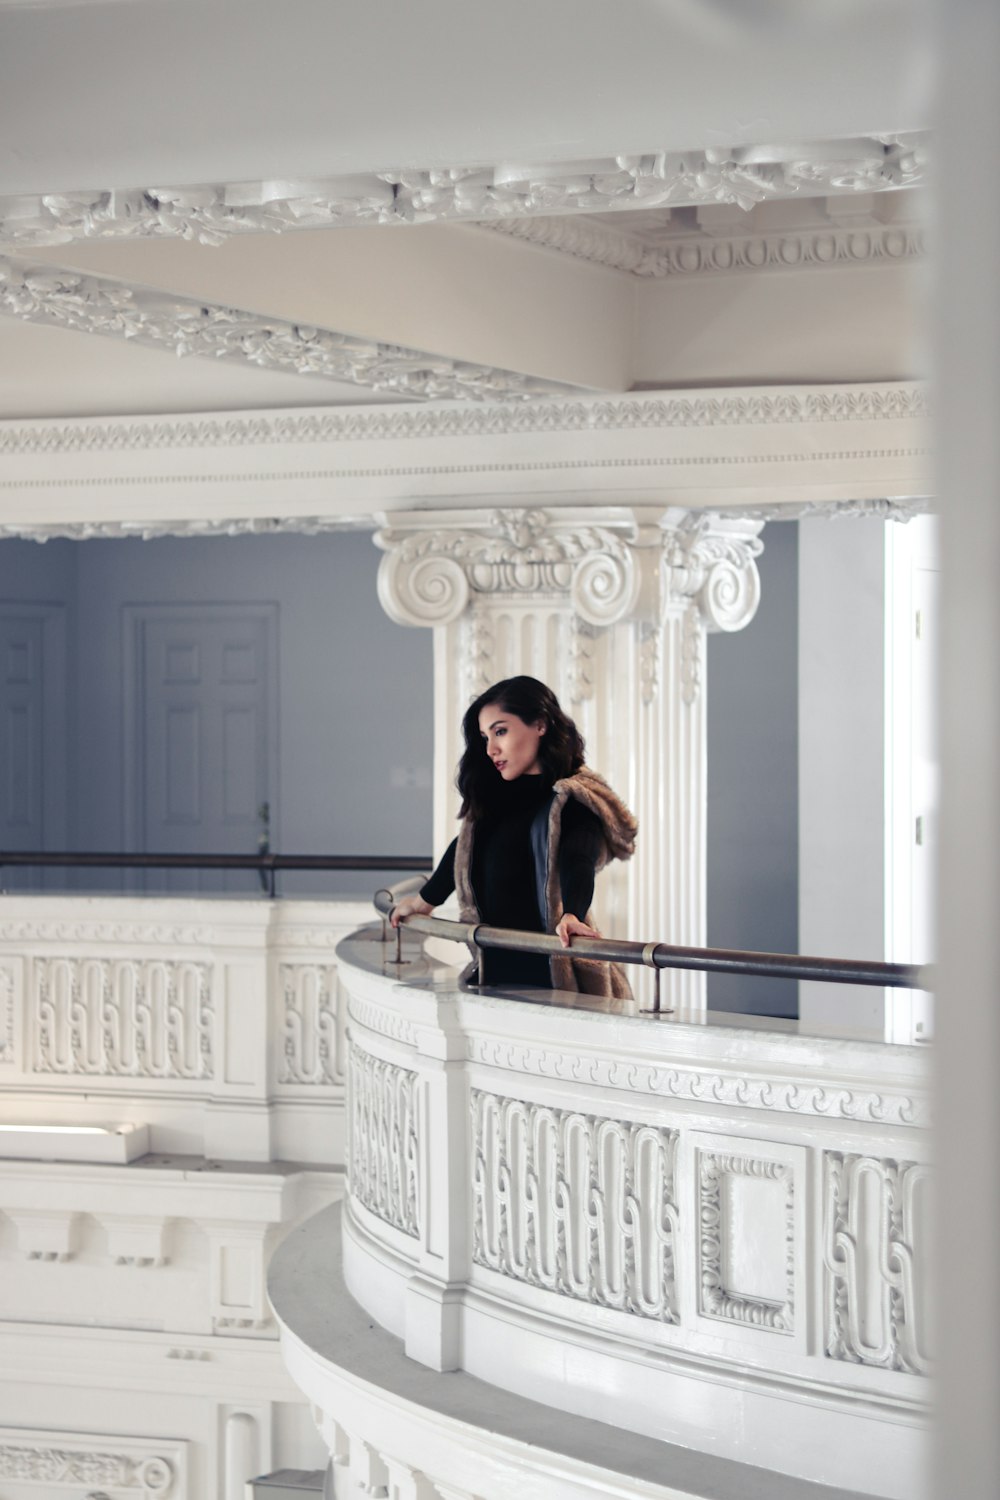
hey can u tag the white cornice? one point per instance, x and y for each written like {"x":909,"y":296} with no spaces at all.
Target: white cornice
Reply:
{"x":210,"y":212}
{"x":61,"y":298}
{"x":704,"y":255}
{"x":316,"y":469}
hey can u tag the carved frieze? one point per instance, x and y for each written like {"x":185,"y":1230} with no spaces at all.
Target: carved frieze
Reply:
{"x":384,"y":1150}
{"x":74,"y":1462}
{"x":313,"y":1024}
{"x":876,"y":1221}
{"x":747,"y":1090}
{"x":619,"y":414}
{"x":742,"y":175}
{"x":136,"y":1018}
{"x":576,"y":1204}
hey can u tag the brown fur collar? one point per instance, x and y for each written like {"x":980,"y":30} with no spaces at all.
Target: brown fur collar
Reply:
{"x":619,"y":827}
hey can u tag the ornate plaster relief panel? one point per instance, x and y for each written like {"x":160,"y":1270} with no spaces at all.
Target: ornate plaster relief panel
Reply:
{"x":221,"y":1026}
{"x":120,"y":1468}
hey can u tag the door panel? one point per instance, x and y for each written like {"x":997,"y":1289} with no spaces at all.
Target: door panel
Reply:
{"x":204,"y":747}
{"x":32,"y":737}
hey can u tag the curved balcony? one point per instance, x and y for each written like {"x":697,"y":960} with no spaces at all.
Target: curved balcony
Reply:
{"x":706,"y":1231}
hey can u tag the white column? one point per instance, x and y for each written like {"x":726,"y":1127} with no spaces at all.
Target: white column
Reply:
{"x":610,"y":607}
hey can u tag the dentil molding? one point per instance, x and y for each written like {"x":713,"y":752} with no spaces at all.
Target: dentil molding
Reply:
{"x":692,"y":255}
{"x":608,"y":565}
{"x":211,"y":212}
{"x":186,"y":326}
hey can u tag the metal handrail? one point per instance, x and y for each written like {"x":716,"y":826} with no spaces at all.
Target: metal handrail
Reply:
{"x":266,"y":864}
{"x":658,"y":956}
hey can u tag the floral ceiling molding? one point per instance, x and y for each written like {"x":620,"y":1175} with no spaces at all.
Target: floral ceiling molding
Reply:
{"x":744,"y":176}
{"x":93,"y":304}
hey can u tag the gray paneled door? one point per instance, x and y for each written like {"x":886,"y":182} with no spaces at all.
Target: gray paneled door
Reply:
{"x":202,"y":759}
{"x":32,"y":735}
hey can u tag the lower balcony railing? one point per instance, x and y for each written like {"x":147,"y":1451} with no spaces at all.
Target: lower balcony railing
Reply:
{"x":716,"y":1234}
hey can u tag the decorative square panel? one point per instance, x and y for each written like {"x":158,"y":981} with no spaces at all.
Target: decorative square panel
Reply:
{"x":747,"y":1243}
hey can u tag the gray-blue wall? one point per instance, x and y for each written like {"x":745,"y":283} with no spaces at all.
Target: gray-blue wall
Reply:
{"x":753,"y":784}
{"x":355,"y":689}
{"x":356,"y":705}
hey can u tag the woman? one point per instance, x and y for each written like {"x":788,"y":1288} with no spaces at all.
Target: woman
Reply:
{"x":537,"y":824}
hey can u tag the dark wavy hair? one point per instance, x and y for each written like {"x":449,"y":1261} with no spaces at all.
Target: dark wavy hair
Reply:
{"x":560,"y":749}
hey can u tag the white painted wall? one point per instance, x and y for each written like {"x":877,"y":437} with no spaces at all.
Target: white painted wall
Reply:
{"x":829,"y":323}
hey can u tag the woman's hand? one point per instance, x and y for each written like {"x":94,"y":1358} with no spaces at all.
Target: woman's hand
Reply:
{"x":569,"y":926}
{"x":410,"y":906}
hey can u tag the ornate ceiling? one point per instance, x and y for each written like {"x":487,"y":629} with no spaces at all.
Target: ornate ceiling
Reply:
{"x":480,"y":280}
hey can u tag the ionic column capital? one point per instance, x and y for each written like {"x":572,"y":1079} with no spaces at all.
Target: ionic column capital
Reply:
{"x":608,"y":565}
{"x":711,"y":561}
{"x":437,"y":562}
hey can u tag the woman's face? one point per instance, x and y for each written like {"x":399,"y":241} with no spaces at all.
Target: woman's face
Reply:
{"x":511,"y":744}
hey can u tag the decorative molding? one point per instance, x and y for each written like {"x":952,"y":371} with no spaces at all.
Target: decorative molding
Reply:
{"x":688,"y":255}
{"x":429,"y":576}
{"x":33,"y":930}
{"x":383,"y":1022}
{"x":606,"y":568}
{"x":743,"y":1090}
{"x":6,"y":1013}
{"x":477,"y":651}
{"x":50,"y":1235}
{"x":135,"y":1241}
{"x":875,"y":1246}
{"x":886,"y":509}
{"x":313,"y":1023}
{"x":100,"y":305}
{"x":692,"y":644}
{"x":582,"y":664}
{"x":384,"y":1149}
{"x":715,"y":1298}
{"x":636,"y":413}
{"x":712,"y":560}
{"x":144,"y":1467}
{"x":85,"y":531}
{"x":210,"y":213}
{"x":125,"y":1017}
{"x":576,"y":1204}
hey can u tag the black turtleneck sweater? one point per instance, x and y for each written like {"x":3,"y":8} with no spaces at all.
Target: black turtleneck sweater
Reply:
{"x":503,"y":872}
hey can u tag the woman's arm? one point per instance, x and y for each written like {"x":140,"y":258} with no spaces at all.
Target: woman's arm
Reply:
{"x":432,"y":893}
{"x":581,"y":844}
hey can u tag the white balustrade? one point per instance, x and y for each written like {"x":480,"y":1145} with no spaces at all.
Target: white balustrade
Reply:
{"x":216,"y":1023}
{"x":707,"y":1230}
